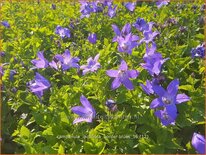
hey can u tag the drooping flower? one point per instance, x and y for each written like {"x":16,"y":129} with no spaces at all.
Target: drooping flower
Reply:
{"x":5,"y":24}
{"x":53,"y":6}
{"x":63,"y":32}
{"x":123,"y":33}
{"x":130,"y":6}
{"x":41,"y":62}
{"x":142,"y":25}
{"x":153,"y":60}
{"x":12,"y":73}
{"x":111,"y":105}
{"x":65,"y":61}
{"x":198,"y":142}
{"x":199,"y":51}
{"x":38,"y":85}
{"x":161,"y":3}
{"x":92,"y":65}
{"x":86,"y":112}
{"x":148,"y":88}
{"x":92,"y":38}
{"x":112,"y":11}
{"x":126,"y":44}
{"x":122,"y":76}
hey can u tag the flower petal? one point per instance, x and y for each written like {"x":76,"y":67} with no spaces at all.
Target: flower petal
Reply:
{"x":85,"y":102}
{"x":133,"y":73}
{"x":116,"y":83}
{"x":182,"y":98}
{"x":159,"y":90}
{"x":156,"y":103}
{"x":112,"y":73}
{"x":127,"y":83}
{"x":123,"y":65}
{"x":79,"y":110}
{"x":116,"y":29}
{"x":172,"y":88}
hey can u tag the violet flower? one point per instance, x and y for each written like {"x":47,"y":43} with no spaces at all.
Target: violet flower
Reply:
{"x":123,"y":33}
{"x":126,"y":44}
{"x":122,"y":76}
{"x":12,"y":73}
{"x":111,"y":105}
{"x":153,"y":60}
{"x":112,"y":11}
{"x":161,"y":3}
{"x":92,"y":65}
{"x":86,"y":112}
{"x":41,"y":62}
{"x":92,"y":38}
{"x":169,"y":96}
{"x":38,"y":85}
{"x":148,"y":88}
{"x":198,"y":142}
{"x":199,"y":51}
{"x":130,"y":6}
{"x":149,"y":36}
{"x":65,"y":61}
{"x":63,"y":32}
{"x":142,"y":25}
{"x":5,"y":24}
{"x":168,"y":115}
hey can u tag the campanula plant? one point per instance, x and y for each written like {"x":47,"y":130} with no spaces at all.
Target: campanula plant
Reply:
{"x":102,"y":77}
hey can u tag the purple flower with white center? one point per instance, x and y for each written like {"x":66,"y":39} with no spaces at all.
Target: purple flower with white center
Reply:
{"x":161,"y":3}
{"x":122,"y":76}
{"x":168,"y":115}
{"x":149,"y":36}
{"x":198,"y":142}
{"x":130,"y":6}
{"x":111,"y":104}
{"x":142,"y":25}
{"x":92,"y":38}
{"x":41,"y":62}
{"x":123,"y":33}
{"x":5,"y":24}
{"x":55,"y":64}
{"x":126,"y":44}
{"x":86,"y":112}
{"x":153,"y":60}
{"x":199,"y":51}
{"x":38,"y":85}
{"x":112,"y":11}
{"x":92,"y":65}
{"x":63,"y":32}
{"x":169,"y":96}
{"x":66,"y":60}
